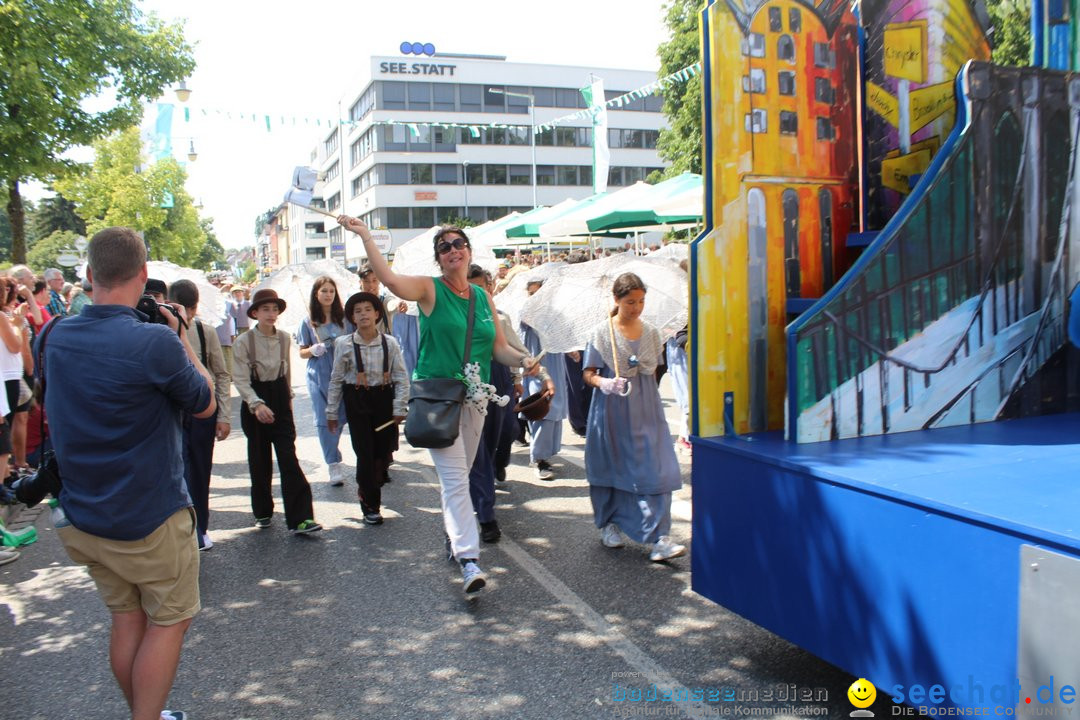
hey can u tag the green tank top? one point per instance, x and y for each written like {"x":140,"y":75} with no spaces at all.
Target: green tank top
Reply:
{"x":442,"y":335}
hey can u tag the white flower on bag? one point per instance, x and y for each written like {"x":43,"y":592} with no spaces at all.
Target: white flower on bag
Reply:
{"x":478,"y":393}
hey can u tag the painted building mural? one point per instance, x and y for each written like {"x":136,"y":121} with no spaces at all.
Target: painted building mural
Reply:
{"x":912,"y":54}
{"x":781,"y":126}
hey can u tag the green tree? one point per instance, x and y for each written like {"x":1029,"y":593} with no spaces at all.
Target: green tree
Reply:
{"x":1012,"y":31}
{"x":248,"y":273}
{"x":45,"y":251}
{"x":211,"y":252}
{"x":461,"y":222}
{"x":680,"y":144}
{"x":55,"y":56}
{"x":119,"y":188}
{"x":52,"y":214}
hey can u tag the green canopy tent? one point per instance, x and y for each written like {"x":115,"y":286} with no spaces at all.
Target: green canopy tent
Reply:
{"x":536,"y":218}
{"x":677,"y":201}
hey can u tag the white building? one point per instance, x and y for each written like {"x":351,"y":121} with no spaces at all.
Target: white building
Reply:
{"x":410,"y":175}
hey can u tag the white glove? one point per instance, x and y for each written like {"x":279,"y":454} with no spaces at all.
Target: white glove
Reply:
{"x":317,"y":350}
{"x":612,"y":386}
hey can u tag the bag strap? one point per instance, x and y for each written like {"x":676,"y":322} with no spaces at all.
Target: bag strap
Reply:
{"x":283,"y":343}
{"x":202,"y":343}
{"x":472,"y":319}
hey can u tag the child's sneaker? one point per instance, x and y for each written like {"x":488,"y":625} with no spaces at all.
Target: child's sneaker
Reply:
{"x":307,"y":526}
{"x":337,"y":474}
{"x":373,"y":518}
{"x":665,"y":549}
{"x":611,"y":537}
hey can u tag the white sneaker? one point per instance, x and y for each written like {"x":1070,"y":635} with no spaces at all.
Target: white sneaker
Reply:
{"x":665,"y":549}
{"x":611,"y":537}
{"x":206,"y":543}
{"x":337,"y":474}
{"x":8,"y":556}
{"x":473,"y":576}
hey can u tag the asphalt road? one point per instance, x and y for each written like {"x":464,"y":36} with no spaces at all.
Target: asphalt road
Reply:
{"x":370,"y":622}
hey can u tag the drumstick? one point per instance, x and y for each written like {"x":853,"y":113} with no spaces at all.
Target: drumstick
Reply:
{"x":385,"y":425}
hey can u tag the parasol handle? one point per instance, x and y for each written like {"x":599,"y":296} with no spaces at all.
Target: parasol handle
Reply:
{"x":385,"y":425}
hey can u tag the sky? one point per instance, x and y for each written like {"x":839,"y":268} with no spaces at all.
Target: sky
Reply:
{"x":293,"y":59}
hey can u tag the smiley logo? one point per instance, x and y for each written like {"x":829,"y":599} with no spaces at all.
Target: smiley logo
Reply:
{"x":862,"y":693}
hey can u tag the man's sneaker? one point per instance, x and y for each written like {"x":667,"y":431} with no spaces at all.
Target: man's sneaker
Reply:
{"x":262,"y":523}
{"x":307,"y":526}
{"x":472,"y":575}
{"x":8,"y":556}
{"x":373,"y":518}
{"x":174,"y":715}
{"x":490,"y":532}
{"x":544,"y":471}
{"x":665,"y":549}
{"x":337,"y":474}
{"x":205,"y":543}
{"x":611,"y":536}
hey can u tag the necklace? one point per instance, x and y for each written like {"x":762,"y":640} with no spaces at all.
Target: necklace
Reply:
{"x":450,"y":285}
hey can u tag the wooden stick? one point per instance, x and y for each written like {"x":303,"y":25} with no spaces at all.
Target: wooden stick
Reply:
{"x":385,"y":425}
{"x":614,"y":350}
{"x":315,"y":209}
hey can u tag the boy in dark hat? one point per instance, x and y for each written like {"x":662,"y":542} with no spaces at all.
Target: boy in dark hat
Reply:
{"x":261,"y":361}
{"x":369,"y":371}
{"x":156,"y":289}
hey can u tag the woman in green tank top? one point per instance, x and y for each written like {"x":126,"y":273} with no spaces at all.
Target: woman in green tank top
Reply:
{"x":444,"y":307}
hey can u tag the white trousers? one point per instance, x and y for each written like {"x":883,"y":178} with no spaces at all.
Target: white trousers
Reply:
{"x":453,"y":464}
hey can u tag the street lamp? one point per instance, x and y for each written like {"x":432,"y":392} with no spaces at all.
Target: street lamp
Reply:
{"x":465,"y":177}
{"x":182,"y":92}
{"x":532,"y":132}
{"x":192,"y":156}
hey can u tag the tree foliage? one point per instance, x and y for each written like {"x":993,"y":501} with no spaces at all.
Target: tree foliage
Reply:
{"x":211,"y":253}
{"x":44,"y":252}
{"x":680,"y":144}
{"x":1012,"y":31}
{"x":56,"y":56}
{"x":52,"y":214}
{"x":119,"y":188}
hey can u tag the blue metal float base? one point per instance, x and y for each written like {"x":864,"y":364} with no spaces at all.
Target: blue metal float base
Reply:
{"x":896,"y":558}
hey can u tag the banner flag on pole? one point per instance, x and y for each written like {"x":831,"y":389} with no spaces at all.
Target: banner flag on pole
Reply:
{"x":163,"y":131}
{"x":594,"y":98}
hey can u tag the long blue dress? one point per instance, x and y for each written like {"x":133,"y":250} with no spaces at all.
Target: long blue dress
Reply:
{"x":630,"y":461}
{"x":319,"y":370}
{"x":547,"y":433}
{"x":407,"y":333}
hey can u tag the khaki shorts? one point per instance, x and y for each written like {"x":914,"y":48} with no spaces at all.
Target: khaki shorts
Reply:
{"x":159,"y":573}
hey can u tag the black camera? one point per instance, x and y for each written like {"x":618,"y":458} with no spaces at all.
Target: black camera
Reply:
{"x":148,"y":306}
{"x":32,"y":489}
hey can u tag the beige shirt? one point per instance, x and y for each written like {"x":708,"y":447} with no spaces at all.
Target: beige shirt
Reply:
{"x":345,"y":370}
{"x":215,"y":360}
{"x":268,"y":365}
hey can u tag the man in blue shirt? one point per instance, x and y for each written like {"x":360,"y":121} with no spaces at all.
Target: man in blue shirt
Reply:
{"x":129,"y":517}
{"x":55,"y":280}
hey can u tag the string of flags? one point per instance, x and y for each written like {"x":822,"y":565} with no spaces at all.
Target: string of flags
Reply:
{"x":268,"y":121}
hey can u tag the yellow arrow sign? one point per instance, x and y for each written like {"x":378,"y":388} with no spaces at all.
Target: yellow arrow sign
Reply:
{"x":931,"y":102}
{"x":883,"y":103}
{"x":905,"y":51}
{"x":896,"y":171}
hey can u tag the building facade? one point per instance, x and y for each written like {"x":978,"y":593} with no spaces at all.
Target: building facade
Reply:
{"x":427,"y":140}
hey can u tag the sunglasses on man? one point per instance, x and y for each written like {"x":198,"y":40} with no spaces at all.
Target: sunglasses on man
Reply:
{"x":458,"y":243}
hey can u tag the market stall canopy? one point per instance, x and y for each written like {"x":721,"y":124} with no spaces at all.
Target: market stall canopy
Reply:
{"x":575,"y":222}
{"x":676,"y":201}
{"x":539,"y":216}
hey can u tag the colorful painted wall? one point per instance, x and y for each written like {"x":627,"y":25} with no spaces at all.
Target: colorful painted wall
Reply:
{"x":782,"y":188}
{"x":912,"y":53}
{"x":956,"y":314}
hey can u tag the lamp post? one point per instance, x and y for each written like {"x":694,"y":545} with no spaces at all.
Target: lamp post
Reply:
{"x":465,"y":177}
{"x":532,"y":132}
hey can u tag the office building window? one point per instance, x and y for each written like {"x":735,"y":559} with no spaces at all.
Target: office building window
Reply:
{"x":823,"y":91}
{"x":393,"y":138}
{"x":444,"y":96}
{"x":496,"y":212}
{"x":566,"y":137}
{"x":361,"y":148}
{"x":515,"y":104}
{"x":395,"y":174}
{"x":397,"y":217}
{"x":330,"y":145}
{"x":756,"y":121}
{"x":420,"y":141}
{"x":444,"y":139}
{"x":567,"y":175}
{"x":315,"y":253}
{"x":794,"y":20}
{"x":420,"y":174}
{"x":333,"y":171}
{"x":520,"y":175}
{"x":364,"y":105}
{"x":568,"y":98}
{"x":356,"y":186}
{"x":545,"y":174}
{"x":393,"y":95}
{"x":446,"y":174}
{"x":466,"y":136}
{"x":585,"y":175}
{"x":789,"y":123}
{"x":494,"y":101}
{"x":755,"y":81}
{"x":496,"y":136}
{"x":518,"y":135}
{"x":496,"y":174}
{"x":546,"y":137}
{"x":334,"y":202}
{"x":475,"y":174}
{"x":334,"y":235}
{"x":785,"y":82}
{"x":423,"y":217}
{"x":419,"y":96}
{"x":470,"y":98}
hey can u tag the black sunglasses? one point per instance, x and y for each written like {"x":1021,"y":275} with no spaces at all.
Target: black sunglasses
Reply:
{"x":458,"y":243}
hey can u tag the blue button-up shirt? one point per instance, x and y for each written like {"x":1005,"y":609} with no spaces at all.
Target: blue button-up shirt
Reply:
{"x":116,"y":391}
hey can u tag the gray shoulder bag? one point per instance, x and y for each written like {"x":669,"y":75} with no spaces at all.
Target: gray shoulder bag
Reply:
{"x":434,"y":418}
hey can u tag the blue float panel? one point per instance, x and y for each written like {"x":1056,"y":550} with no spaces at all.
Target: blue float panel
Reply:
{"x":895,"y":557}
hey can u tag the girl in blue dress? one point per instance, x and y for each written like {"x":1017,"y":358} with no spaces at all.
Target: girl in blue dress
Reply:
{"x":315,"y":338}
{"x":629,"y":459}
